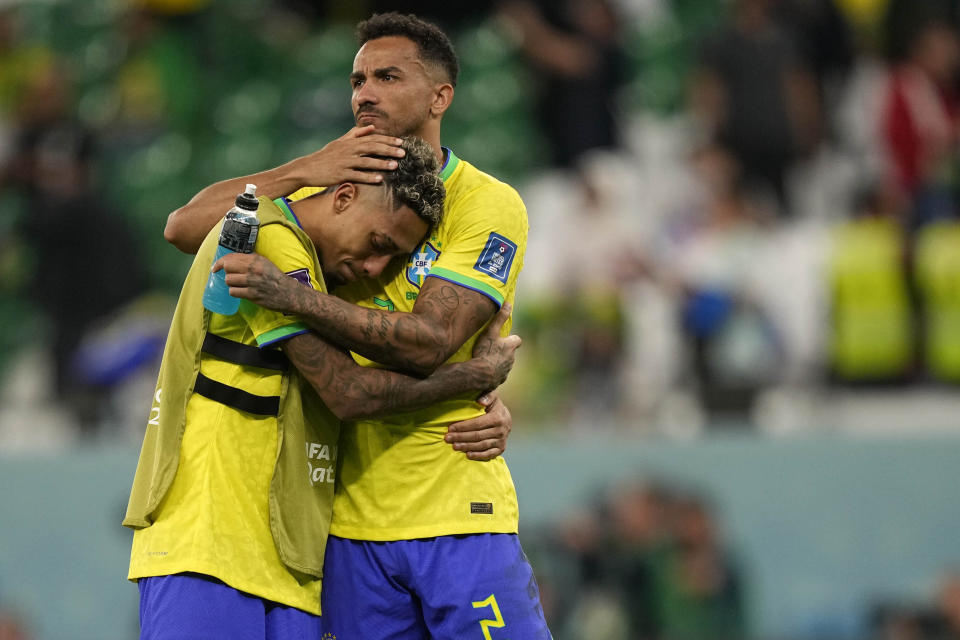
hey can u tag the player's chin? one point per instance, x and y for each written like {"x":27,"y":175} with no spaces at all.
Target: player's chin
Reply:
{"x":381,"y":127}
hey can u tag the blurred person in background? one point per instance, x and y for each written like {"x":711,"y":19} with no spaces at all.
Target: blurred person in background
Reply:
{"x":754,"y":96}
{"x":948,"y":604}
{"x":902,"y":18}
{"x":936,"y":620}
{"x":70,"y":229}
{"x":577,"y":65}
{"x":825,"y":43}
{"x":20,"y":62}
{"x":921,"y":122}
{"x":936,"y":265}
{"x":573,"y":561}
{"x":701,"y":593}
{"x":710,"y":260}
{"x":158,"y":84}
{"x":900,"y":622}
{"x":12,"y":627}
{"x":640,"y":546}
{"x":646,"y":561}
{"x":871,"y":316}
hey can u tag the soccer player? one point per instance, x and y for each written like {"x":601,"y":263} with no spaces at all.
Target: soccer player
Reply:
{"x":424,"y":541}
{"x":231,"y":502}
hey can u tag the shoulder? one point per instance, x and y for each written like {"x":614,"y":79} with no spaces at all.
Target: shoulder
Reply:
{"x":470,"y":186}
{"x":277,"y":234}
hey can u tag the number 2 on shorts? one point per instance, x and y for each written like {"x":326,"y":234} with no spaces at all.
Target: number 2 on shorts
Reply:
{"x":497,"y":621}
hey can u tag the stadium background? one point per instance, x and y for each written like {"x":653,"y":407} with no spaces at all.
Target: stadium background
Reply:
{"x":735,"y":409}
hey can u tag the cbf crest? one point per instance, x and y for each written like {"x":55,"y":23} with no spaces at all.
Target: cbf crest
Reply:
{"x":420,"y":263}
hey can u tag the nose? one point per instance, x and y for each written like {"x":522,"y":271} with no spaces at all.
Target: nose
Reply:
{"x":374,"y":265}
{"x":364,"y":94}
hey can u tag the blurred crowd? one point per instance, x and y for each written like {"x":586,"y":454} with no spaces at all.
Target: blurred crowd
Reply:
{"x":780,"y":216}
{"x":650,"y":559}
{"x":646,"y":560}
{"x":938,"y":620}
{"x":727,"y":197}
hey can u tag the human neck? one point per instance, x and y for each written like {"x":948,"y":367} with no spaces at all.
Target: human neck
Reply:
{"x":310,"y":212}
{"x":430,"y":132}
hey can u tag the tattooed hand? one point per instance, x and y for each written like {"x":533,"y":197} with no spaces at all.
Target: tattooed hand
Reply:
{"x":497,"y":352}
{"x":255,"y":278}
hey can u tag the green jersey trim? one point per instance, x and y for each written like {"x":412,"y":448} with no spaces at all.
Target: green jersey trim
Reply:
{"x":281,"y":333}
{"x":449,"y":166}
{"x":284,"y":206}
{"x":468,"y":282}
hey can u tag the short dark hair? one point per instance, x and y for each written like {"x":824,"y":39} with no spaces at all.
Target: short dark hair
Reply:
{"x":432,"y":43}
{"x":416,"y":182}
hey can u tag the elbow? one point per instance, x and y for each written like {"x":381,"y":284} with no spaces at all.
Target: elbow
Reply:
{"x":344,"y":407}
{"x":175,"y":233}
{"x":347,"y":410}
{"x":423,"y":368}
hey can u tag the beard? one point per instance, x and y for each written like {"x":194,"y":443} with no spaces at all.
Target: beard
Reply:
{"x":388,"y":126}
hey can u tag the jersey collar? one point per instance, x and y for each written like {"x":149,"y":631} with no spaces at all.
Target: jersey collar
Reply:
{"x":449,"y":165}
{"x":284,"y":205}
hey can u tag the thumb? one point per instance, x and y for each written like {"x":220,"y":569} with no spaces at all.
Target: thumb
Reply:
{"x":513,"y":341}
{"x":498,"y":320}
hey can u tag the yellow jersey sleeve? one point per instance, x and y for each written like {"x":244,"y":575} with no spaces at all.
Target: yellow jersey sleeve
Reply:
{"x":486,"y":242}
{"x":282,"y":247}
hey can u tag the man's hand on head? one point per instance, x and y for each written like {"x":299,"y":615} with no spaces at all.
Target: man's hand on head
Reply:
{"x":360,"y":155}
{"x":251,"y":276}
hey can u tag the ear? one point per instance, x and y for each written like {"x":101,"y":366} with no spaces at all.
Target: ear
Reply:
{"x":442,"y":97}
{"x":344,"y":196}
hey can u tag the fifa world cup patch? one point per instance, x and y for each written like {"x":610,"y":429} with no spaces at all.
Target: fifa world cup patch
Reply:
{"x":301,"y":275}
{"x":497,"y":257}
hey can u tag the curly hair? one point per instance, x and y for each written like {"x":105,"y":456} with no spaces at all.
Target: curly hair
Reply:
{"x":432,"y":43}
{"x":415,"y":181}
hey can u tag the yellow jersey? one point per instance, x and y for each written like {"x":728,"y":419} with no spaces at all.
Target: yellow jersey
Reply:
{"x":215,"y":517}
{"x":397,"y":478}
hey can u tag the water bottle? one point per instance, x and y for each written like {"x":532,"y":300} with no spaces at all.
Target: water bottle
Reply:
{"x":239,"y":233}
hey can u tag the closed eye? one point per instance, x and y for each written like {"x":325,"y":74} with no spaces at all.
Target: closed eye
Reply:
{"x":383,"y":246}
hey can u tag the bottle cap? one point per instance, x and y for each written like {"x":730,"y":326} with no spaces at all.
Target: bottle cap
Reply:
{"x":248,"y":199}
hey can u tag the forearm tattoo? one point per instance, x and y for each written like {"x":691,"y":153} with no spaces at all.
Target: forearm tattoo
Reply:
{"x":446,"y":316}
{"x":353,"y":391}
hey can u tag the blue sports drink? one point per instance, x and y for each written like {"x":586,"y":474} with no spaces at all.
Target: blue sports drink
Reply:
{"x":239,"y":234}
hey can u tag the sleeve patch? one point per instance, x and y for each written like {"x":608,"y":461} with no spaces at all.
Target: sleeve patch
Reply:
{"x":497,"y":257}
{"x":301,"y":275}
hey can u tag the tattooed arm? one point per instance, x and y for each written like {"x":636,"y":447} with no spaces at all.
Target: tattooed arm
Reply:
{"x":352,"y":392}
{"x":443,"y":318}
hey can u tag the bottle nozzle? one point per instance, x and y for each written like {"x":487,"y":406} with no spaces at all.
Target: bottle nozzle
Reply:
{"x":248,"y":199}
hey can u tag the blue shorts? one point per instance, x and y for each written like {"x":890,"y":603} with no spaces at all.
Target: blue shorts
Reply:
{"x":189,"y":606}
{"x":451,"y":587}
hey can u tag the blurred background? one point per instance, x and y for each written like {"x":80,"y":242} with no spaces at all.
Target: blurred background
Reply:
{"x":735,"y":411}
